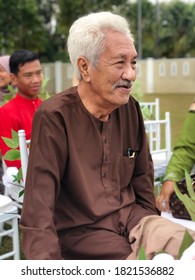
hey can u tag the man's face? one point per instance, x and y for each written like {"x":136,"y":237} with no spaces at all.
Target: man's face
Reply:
{"x":4,"y":77}
{"x":29,"y":79}
{"x":112,"y":78}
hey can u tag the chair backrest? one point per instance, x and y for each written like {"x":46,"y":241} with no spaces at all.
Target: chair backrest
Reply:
{"x":24,"y":151}
{"x":154,"y":108}
{"x":9,"y":215}
{"x":159,"y":136}
{"x":159,"y":143}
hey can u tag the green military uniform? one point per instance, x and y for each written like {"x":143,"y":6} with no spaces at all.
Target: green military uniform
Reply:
{"x":183,"y":157}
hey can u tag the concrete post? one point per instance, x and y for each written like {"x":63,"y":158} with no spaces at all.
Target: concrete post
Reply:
{"x":150,"y":75}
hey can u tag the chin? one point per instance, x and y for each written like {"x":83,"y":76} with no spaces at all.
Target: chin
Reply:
{"x":35,"y":92}
{"x":125,"y":99}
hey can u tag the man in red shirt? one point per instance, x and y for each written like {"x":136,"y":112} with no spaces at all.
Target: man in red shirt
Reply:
{"x":27,"y":76}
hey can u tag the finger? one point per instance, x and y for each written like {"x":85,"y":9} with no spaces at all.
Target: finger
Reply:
{"x":162,"y":204}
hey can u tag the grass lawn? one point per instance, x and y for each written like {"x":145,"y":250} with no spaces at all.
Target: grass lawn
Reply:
{"x":6,"y":244}
{"x":177,"y":105}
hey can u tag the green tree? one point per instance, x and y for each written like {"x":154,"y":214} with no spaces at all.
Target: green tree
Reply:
{"x":20,"y":26}
{"x":54,"y":47}
{"x":177,"y":31}
{"x":149,"y":25}
{"x":28,"y":24}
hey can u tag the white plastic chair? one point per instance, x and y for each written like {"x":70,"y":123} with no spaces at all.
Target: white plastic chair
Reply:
{"x":154,"y":107}
{"x":160,"y":150}
{"x":155,"y":139}
{"x":186,"y":223}
{"x":9,"y":215}
{"x":13,"y":189}
{"x":24,"y":151}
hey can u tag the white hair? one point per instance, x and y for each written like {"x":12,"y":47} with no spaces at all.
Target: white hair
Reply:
{"x":87,"y":34}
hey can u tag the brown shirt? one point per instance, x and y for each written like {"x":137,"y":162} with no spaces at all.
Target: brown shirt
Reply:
{"x":84,"y":175}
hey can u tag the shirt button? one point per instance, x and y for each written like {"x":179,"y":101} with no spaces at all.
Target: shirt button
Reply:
{"x":120,"y":224}
{"x":103,"y":175}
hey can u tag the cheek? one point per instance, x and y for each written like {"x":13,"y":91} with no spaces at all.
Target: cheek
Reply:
{"x":23,"y":82}
{"x":8,"y":78}
{"x":5,"y":78}
{"x":109,"y":79}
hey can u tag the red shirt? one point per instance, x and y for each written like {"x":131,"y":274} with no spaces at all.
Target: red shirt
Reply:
{"x":16,"y":114}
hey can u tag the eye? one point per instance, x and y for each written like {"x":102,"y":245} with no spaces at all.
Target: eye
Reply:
{"x":120,"y":62}
{"x":28,"y":75}
{"x":134,"y":62}
{"x":39,"y":72}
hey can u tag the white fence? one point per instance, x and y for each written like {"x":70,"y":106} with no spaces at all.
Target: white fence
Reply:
{"x":154,"y":75}
{"x":167,"y":75}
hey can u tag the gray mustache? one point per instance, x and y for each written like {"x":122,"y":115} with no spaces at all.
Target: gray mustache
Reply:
{"x":124,"y":83}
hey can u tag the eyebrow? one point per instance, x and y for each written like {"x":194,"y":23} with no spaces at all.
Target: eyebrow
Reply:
{"x":27,"y":73}
{"x":123,"y":56}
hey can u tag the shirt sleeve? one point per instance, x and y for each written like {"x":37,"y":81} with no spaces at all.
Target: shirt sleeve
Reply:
{"x":183,"y":156}
{"x":46,"y":166}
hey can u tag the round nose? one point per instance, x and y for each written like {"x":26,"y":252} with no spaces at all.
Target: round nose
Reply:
{"x":129,"y":73}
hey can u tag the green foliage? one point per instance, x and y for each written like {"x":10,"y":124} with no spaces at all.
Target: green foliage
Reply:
{"x":9,"y":95}
{"x":11,"y":89}
{"x":147,"y":115}
{"x":141,"y":254}
{"x":43,"y":91}
{"x":18,"y":176}
{"x":188,"y":201}
{"x":179,"y":16}
{"x":13,"y":154}
{"x":26,"y":24}
{"x":186,"y":242}
{"x":138,"y":94}
{"x":12,"y":142}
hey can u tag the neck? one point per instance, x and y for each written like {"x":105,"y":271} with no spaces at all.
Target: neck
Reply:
{"x":92,"y":105}
{"x":29,"y":97}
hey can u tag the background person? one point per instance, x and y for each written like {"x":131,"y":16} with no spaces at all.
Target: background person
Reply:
{"x":183,"y":158}
{"x":27,"y":76}
{"x":89,"y":188}
{"x":5,"y":78}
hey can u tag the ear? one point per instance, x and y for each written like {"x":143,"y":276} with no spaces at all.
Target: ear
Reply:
{"x":14,"y":79}
{"x":84,"y":65}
